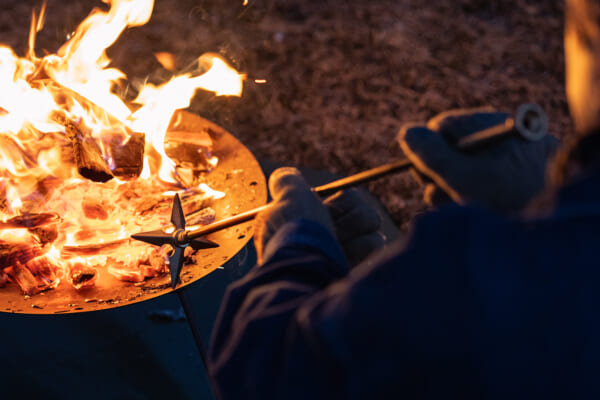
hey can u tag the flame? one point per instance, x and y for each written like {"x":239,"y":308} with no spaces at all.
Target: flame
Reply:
{"x":37,"y":170}
{"x":167,"y":60}
{"x":160,"y":103}
{"x":82,"y":66}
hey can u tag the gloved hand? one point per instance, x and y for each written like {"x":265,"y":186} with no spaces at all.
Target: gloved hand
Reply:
{"x":503,"y":175}
{"x":356,"y":225}
{"x":292,"y":200}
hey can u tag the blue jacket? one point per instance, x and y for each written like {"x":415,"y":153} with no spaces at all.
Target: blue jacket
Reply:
{"x":473,"y":305}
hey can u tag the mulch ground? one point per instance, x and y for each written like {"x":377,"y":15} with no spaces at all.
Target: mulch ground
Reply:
{"x":342,"y":77}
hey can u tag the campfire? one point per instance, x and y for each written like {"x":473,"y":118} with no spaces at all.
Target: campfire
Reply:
{"x":83,"y":168}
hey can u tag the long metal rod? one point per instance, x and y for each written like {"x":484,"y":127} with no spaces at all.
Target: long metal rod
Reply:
{"x":530,"y":122}
{"x":362,"y":177}
{"x":191,"y":320}
{"x":324,"y":190}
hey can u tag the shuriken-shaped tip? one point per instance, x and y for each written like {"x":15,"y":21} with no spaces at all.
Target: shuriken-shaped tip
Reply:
{"x":177,"y":216}
{"x":157,"y":238}
{"x":202,"y":243}
{"x":160,"y":238}
{"x":177,"y":258}
{"x":175,"y":265}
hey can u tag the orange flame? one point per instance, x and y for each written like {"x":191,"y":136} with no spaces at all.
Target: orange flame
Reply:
{"x":79,"y":82}
{"x":82,"y":66}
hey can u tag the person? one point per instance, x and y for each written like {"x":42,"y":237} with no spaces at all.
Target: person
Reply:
{"x":488,"y":297}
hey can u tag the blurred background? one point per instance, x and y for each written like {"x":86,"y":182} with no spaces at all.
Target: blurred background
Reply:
{"x":341,"y":77}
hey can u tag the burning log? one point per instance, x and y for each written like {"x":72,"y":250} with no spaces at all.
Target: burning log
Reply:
{"x":87,"y":154}
{"x":25,"y":279}
{"x":93,"y":209}
{"x":193,"y":201}
{"x":128,"y":156}
{"x":90,"y":163}
{"x":92,"y":249}
{"x":179,"y":138}
{"x":81,"y":276}
{"x":45,"y":270}
{"x":193,"y":154}
{"x":131,"y":274}
{"x":153,"y":265}
{"x":22,"y":252}
{"x":13,"y":253}
{"x":46,"y":234}
{"x":43,"y":225}
{"x":30,"y":220}
{"x":161,"y":204}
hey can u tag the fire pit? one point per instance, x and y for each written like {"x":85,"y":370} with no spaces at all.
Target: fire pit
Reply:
{"x":82,"y":169}
{"x":238,"y":174}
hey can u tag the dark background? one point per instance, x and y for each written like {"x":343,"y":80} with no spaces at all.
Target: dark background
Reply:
{"x":342,"y":76}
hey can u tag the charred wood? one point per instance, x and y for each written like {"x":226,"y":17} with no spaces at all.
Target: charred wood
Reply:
{"x":45,"y":270}
{"x":30,"y":220}
{"x":194,"y":139}
{"x":92,"y":249}
{"x":90,"y":163}
{"x":131,"y":274}
{"x":93,"y":209}
{"x":127,"y":154}
{"x":46,"y":234}
{"x":42,"y":225}
{"x":190,"y":201}
{"x":154,"y":265}
{"x":195,"y":203}
{"x":25,"y":279}
{"x":12,"y":253}
{"x":191,"y":151}
{"x":81,"y":276}
{"x":87,"y":154}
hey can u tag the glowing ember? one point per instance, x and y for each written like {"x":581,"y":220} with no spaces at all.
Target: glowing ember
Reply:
{"x":81,"y":169}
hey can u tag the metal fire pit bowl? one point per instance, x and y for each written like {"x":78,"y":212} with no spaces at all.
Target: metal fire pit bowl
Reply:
{"x":238,"y":174}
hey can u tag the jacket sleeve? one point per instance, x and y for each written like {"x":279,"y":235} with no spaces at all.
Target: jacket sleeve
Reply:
{"x":301,"y":327}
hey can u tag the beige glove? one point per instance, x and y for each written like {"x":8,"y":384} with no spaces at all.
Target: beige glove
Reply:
{"x":504,"y":175}
{"x":292,"y":200}
{"x":357,"y":225}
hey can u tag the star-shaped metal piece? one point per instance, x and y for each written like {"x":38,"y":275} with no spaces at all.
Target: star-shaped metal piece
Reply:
{"x":176,"y":240}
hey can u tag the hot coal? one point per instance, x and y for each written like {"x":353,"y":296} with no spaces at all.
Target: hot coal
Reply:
{"x":45,"y":270}
{"x":25,"y":279}
{"x":30,"y":220}
{"x":43,"y":226}
{"x":93,"y":209}
{"x":82,"y":276}
{"x":12,"y":253}
{"x":92,"y":249}
{"x":46,"y":234}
